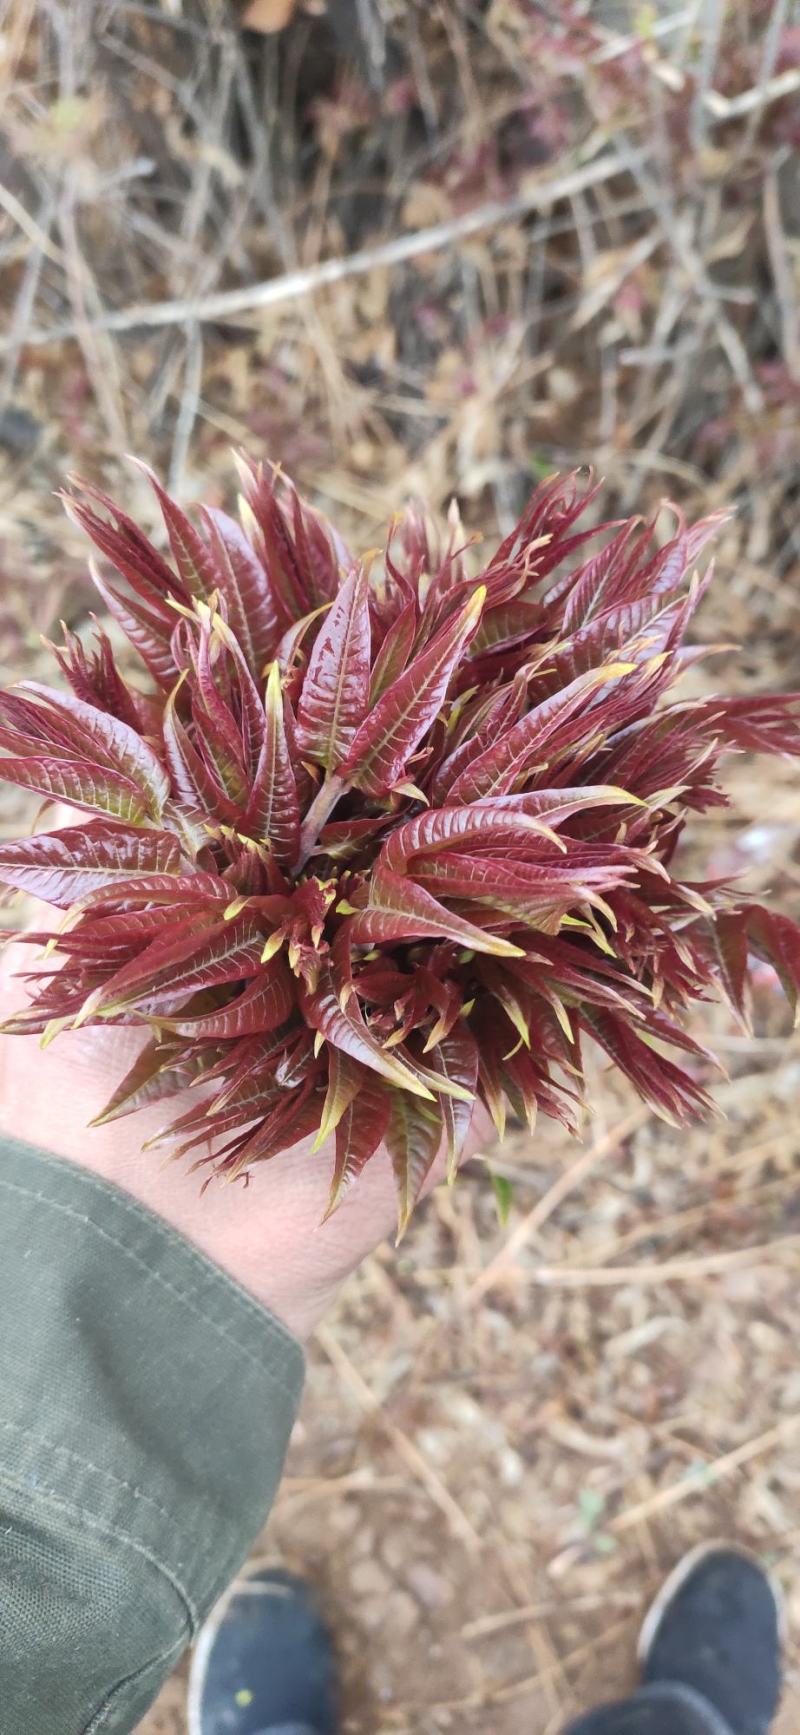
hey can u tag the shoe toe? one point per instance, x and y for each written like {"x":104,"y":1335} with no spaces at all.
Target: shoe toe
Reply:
{"x":264,"y":1662}
{"x":716,"y":1628}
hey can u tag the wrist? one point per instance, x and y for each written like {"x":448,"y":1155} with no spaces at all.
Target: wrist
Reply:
{"x":267,"y":1232}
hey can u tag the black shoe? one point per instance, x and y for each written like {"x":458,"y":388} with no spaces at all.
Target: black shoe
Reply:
{"x":658,"y":1710}
{"x":715,"y":1628}
{"x":263,"y":1663}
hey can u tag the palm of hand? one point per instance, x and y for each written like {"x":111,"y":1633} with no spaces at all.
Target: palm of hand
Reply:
{"x":269,"y":1235}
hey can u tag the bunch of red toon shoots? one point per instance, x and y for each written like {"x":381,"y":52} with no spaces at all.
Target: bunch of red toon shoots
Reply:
{"x":378,"y":838}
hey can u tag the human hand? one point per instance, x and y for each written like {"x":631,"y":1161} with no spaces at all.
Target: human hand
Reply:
{"x":269,"y":1236}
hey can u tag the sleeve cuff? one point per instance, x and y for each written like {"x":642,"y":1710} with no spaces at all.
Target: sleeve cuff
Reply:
{"x":140,"y":1387}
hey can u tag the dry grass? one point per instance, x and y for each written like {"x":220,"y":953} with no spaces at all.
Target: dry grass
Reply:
{"x":486,"y":1488}
{"x":508,"y":1434}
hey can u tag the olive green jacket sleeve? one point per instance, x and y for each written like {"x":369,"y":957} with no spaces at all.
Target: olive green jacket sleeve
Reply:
{"x":145,"y":1406}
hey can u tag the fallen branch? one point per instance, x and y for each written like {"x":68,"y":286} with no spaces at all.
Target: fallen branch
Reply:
{"x":701,"y":1477}
{"x":564,"y":1184}
{"x":669,"y":1271}
{"x":226,"y":304}
{"x":412,"y":1457}
{"x":697,"y":1480}
{"x":724,"y":108}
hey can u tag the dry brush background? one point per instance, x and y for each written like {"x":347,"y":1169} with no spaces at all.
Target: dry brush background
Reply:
{"x":433,"y":248}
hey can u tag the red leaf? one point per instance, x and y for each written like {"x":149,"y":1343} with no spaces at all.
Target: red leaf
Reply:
{"x":729,"y":937}
{"x":95,"y":678}
{"x":512,"y":623}
{"x":247,"y":1073}
{"x":97,"y":739}
{"x":413,"y":1135}
{"x":294,"y":1118}
{"x":321,"y":553}
{"x":346,"y":1077}
{"x":265,"y":1004}
{"x":777,"y":939}
{"x":494,"y":772}
{"x":399,"y":909}
{"x":394,"y":652}
{"x":244,"y":584}
{"x":273,"y":810}
{"x":484,"y":722}
{"x":760,"y":724}
{"x":523,"y":890}
{"x":158,"y":1073}
{"x":196,"y":889}
{"x":99,"y":935}
{"x":390,"y":733}
{"x":335,"y":692}
{"x":84,"y":786}
{"x":193,"y":558}
{"x":194,"y":785}
{"x":148,"y":631}
{"x":445,"y":828}
{"x":456,"y":1058}
{"x":248,"y":1092}
{"x":291,"y":582}
{"x":123,"y":543}
{"x":65,"y":866}
{"x":345,"y":1028}
{"x":359,"y":1133}
{"x":217,"y":732}
{"x":184,"y":963}
{"x":669,"y":1090}
{"x":552,"y":806}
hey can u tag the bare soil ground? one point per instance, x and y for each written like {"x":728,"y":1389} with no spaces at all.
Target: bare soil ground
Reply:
{"x":509,"y":1433}
{"x":508,"y":1436}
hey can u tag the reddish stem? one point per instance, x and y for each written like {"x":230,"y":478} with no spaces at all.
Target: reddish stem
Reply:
{"x":319,"y":812}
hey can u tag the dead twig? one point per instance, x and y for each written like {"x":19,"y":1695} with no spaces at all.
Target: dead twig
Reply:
{"x":189,"y":405}
{"x":98,"y":350}
{"x":733,"y":107}
{"x":783,"y":275}
{"x":566,"y":1183}
{"x":700,"y":1478}
{"x":405,"y":1448}
{"x":669,"y":1271}
{"x":229,"y":303}
{"x":36,"y":229}
{"x":487,"y":1625}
